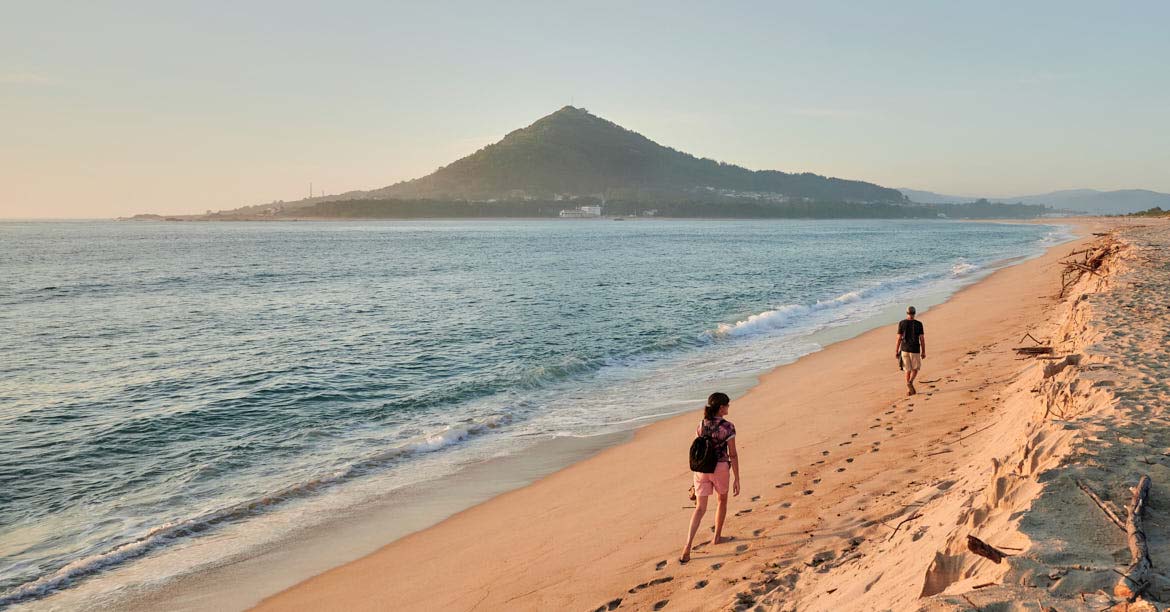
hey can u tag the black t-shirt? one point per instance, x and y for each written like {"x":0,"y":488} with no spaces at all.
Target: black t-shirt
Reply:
{"x":910,"y":330}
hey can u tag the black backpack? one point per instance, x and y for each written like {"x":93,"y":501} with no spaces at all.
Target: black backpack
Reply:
{"x":704,"y":452}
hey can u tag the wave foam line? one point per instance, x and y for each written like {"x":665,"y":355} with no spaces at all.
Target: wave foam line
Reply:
{"x":781,"y":316}
{"x":167,"y":533}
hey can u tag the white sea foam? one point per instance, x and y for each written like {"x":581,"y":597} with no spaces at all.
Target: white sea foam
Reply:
{"x":169,"y":532}
{"x":963,"y":269}
{"x":814,"y":316}
{"x":767,"y":320}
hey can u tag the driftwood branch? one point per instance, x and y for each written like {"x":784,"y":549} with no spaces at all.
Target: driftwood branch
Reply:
{"x":913,"y":515}
{"x":1101,"y":504}
{"x":1029,"y":335}
{"x":977,"y":431}
{"x":1033,"y":350}
{"x":985,"y":550}
{"x":1136,"y":577}
{"x":1094,"y":258}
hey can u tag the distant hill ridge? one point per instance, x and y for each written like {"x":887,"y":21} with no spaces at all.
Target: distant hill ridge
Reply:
{"x":573,"y":153}
{"x":1122,"y":201}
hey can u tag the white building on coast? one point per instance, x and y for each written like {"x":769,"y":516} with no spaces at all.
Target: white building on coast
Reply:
{"x":581,"y":212}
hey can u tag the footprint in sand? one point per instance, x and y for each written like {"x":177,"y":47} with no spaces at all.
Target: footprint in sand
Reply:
{"x":611,"y":605}
{"x":816,"y":481}
{"x":846,"y":443}
{"x":741,"y":548}
{"x":757,"y":533}
{"x":700,"y":584}
{"x":786,"y":505}
{"x":756,"y":498}
{"x":840,"y":469}
{"x":782,"y":485}
{"x":808,"y":491}
{"x":782,"y":517}
{"x":853,"y":435}
{"x":716,"y":566}
{"x":825,"y":453}
{"x":662,"y":604}
{"x":849,"y":460}
{"x":793,"y":472}
{"x":660,"y":565}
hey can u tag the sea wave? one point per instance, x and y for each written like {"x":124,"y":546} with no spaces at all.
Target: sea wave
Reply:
{"x":173,"y":531}
{"x":785,"y":315}
{"x":963,"y":269}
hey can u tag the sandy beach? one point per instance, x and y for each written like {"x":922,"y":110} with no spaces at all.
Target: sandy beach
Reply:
{"x":855,"y":497}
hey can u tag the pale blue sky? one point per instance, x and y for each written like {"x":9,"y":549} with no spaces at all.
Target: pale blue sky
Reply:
{"x":116,"y":108}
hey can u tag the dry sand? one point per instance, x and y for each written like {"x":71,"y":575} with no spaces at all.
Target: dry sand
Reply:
{"x":855,"y":497}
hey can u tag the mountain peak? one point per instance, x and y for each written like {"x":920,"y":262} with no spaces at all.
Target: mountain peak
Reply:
{"x":574,"y":152}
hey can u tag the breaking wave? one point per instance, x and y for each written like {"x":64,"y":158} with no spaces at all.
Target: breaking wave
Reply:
{"x":171,"y":532}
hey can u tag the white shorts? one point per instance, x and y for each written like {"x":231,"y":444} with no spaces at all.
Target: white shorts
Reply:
{"x":911,"y":361}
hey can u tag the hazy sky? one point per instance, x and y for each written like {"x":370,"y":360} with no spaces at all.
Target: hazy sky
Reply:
{"x":117,"y":108}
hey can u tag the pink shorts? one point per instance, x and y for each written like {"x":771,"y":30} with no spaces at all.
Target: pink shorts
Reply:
{"x":719,"y":481}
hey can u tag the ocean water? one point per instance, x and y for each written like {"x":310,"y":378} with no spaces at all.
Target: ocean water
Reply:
{"x":161,"y":382}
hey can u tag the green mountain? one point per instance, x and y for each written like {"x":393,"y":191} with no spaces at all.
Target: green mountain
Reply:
{"x":574,"y":153}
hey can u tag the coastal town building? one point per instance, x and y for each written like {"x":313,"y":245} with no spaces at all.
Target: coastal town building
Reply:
{"x":581,"y":212}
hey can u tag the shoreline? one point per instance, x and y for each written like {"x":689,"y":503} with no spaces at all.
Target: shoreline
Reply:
{"x":440,"y":536}
{"x":260,"y":565}
{"x":181,"y":219}
{"x":227,"y":578}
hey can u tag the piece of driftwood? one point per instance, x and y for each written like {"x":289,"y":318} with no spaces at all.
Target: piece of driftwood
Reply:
{"x":1094,"y":258}
{"x":1136,"y":577}
{"x":985,"y":550}
{"x":1034,"y":339}
{"x":1101,"y":504}
{"x":980,"y":430}
{"x":913,"y":515}
{"x":1033,"y":350}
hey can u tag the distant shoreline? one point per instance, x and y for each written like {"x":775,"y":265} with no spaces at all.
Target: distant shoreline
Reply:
{"x":269,"y":219}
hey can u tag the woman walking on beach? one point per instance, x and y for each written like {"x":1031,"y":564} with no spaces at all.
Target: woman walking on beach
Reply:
{"x":722,"y":436}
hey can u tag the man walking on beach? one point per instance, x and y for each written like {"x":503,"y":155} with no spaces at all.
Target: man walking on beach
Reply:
{"x":911,"y":348}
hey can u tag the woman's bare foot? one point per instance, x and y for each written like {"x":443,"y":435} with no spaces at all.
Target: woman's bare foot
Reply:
{"x":718,"y":540}
{"x":683,"y":559}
